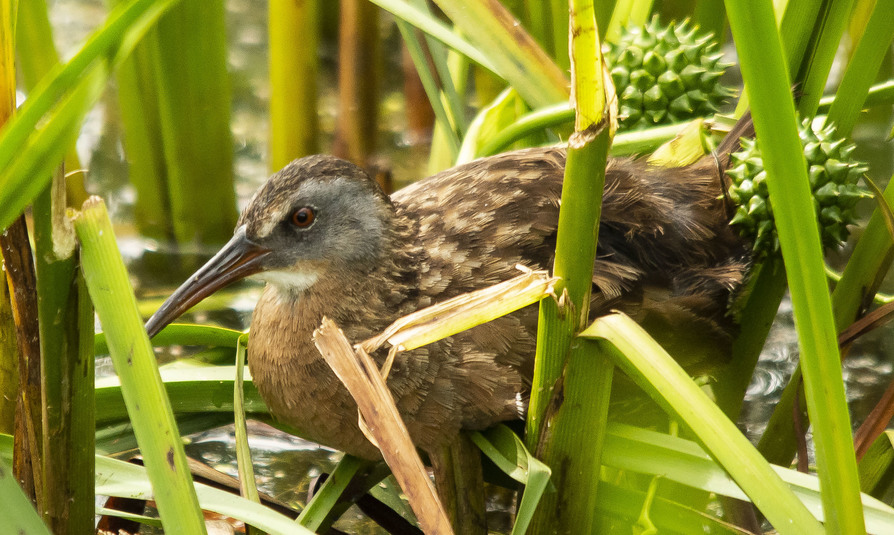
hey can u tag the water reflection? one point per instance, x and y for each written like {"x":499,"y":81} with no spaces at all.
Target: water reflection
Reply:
{"x":284,"y":465}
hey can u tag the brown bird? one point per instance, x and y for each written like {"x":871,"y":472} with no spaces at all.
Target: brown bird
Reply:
{"x":328,"y":242}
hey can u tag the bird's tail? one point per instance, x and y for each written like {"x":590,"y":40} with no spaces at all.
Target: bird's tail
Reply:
{"x":732,"y":142}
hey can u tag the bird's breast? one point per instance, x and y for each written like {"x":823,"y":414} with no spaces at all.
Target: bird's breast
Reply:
{"x":296,"y":384}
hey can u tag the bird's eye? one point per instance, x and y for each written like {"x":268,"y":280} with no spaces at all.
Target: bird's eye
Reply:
{"x":303,"y":217}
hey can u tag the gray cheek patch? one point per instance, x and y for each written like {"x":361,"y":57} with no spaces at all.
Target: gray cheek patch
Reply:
{"x":358,"y":236}
{"x":351,"y":227}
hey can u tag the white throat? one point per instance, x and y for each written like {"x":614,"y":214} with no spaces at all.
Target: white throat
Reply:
{"x":289,"y":281}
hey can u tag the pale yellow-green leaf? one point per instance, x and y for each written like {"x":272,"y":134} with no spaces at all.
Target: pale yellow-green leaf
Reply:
{"x":463,"y":312}
{"x":685,"y":148}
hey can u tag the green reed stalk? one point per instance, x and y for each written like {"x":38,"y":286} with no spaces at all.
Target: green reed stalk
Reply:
{"x":193,"y":91}
{"x":572,"y":382}
{"x":247,"y":485}
{"x":138,"y":105}
{"x":66,"y":340}
{"x":294,"y":125}
{"x":871,"y":256}
{"x":174,"y":95}
{"x":764,"y":69}
{"x":144,"y":393}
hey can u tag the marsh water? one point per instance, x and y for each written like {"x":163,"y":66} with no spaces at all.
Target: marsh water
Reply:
{"x":285,"y":464}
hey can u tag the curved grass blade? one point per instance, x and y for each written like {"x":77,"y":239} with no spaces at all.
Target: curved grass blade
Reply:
{"x":517,"y":60}
{"x":128,"y":480}
{"x":520,"y":59}
{"x":508,"y":452}
{"x":669,"y":517}
{"x":561,"y":114}
{"x":183,"y":334}
{"x":428,"y":78}
{"x":684,"y":461}
{"x":118,"y":437}
{"x":453,"y":97}
{"x":632,"y":142}
{"x":118,"y":478}
{"x":199,"y":389}
{"x":429,"y":24}
{"x":659,"y":375}
{"x":29,"y":172}
{"x":489,"y":123}
{"x":319,"y":510}
{"x":142,"y":519}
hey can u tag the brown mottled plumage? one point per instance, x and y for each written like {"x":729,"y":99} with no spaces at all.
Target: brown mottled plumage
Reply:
{"x":665,"y":250}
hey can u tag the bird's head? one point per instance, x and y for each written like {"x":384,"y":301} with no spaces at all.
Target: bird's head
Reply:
{"x":316,"y":214}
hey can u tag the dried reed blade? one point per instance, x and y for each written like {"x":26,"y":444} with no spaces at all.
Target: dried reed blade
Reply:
{"x":360,"y":375}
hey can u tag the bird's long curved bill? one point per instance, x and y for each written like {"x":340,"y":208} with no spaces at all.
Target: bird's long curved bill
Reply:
{"x":239,"y":258}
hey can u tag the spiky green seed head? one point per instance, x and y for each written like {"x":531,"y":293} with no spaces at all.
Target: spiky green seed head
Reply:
{"x":666,"y":74}
{"x":833,"y":180}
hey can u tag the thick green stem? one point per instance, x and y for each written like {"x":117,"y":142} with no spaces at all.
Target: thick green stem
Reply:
{"x":566,"y":421}
{"x":764,"y":70}
{"x":66,"y":339}
{"x":183,"y":155}
{"x":294,"y":126}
